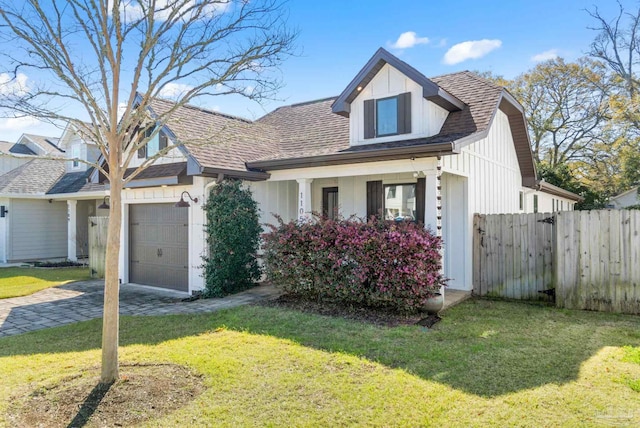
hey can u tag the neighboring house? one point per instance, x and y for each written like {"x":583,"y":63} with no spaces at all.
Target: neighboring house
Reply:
{"x":45,"y":201}
{"x":625,"y":199}
{"x":394,"y":143}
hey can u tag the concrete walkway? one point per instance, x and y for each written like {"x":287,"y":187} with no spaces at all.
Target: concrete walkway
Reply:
{"x":83,"y":300}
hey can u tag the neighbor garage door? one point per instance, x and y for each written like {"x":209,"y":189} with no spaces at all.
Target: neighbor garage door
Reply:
{"x":159,"y":246}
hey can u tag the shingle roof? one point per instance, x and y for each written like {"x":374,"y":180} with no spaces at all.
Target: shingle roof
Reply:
{"x":159,"y":170}
{"x":21,"y":149}
{"x":217,"y":140}
{"x":75,"y":182}
{"x":311,"y":129}
{"x":48,"y":144}
{"x":34,"y":177}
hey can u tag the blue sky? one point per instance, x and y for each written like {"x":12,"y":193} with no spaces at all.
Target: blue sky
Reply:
{"x":337,"y":37}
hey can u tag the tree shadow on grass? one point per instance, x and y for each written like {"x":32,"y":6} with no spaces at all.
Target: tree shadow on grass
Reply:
{"x":485,"y":348}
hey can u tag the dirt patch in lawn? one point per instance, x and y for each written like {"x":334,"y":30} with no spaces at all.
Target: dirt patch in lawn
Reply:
{"x":375,"y":316}
{"x":142,"y":392}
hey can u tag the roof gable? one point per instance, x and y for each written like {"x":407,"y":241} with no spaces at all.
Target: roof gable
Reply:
{"x":430,"y":90}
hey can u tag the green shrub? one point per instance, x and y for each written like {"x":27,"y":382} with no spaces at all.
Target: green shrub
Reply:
{"x":375,"y":263}
{"x":233,"y":238}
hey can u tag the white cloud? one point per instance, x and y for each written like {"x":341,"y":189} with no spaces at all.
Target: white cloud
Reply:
{"x":174,"y":90}
{"x":13,"y":86}
{"x":545,"y":56}
{"x":131,"y":9}
{"x":18,"y":123}
{"x":408,"y":40}
{"x":472,"y":49}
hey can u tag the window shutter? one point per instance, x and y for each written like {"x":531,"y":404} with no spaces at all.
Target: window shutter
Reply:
{"x":142,"y":152}
{"x":374,"y":198}
{"x":162,"y":143}
{"x":420,"y":199}
{"x":369,"y":119}
{"x":404,"y":113}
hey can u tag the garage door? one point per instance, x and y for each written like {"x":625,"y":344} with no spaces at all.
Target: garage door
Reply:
{"x":158,"y":249}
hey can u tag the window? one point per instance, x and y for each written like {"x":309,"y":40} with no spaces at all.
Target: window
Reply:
{"x":521,"y":201}
{"x":330,"y":202}
{"x":400,"y":202}
{"x":535,"y":203}
{"x":154,"y":145}
{"x":387,"y":116}
{"x":75,"y":155}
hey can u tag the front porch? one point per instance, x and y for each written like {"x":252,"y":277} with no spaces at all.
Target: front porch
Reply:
{"x":408,"y":189}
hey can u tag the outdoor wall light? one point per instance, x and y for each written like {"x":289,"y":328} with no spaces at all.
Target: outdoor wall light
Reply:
{"x":3,"y":211}
{"x":184,"y":204}
{"x":105,"y":204}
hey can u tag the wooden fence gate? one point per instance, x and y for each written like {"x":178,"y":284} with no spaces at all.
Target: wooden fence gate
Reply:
{"x":585,"y":259}
{"x":97,"y":245}
{"x":513,"y":255}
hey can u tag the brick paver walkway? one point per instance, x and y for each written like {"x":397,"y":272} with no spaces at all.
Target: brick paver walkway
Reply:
{"x":83,"y":300}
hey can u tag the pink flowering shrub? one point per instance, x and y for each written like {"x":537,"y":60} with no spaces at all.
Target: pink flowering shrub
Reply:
{"x":374,"y":263}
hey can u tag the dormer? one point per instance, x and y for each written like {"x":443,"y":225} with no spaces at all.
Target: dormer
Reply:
{"x":78,"y":147}
{"x":39,"y":145}
{"x":389,"y":100}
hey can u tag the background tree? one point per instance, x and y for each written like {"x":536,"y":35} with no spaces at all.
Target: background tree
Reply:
{"x":567,"y":108}
{"x":97,"y":56}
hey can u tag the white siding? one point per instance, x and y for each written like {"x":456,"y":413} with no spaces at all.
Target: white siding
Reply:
{"x":626,"y":199}
{"x":491,"y":165}
{"x":426,"y":117}
{"x":10,"y":163}
{"x":278,"y":197}
{"x":37,"y":229}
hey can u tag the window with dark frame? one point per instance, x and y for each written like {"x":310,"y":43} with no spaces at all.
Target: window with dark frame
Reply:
{"x":330,"y":207}
{"x":400,"y":202}
{"x":535,"y":203}
{"x":159,"y":142}
{"x":521,"y":201}
{"x":388,"y":116}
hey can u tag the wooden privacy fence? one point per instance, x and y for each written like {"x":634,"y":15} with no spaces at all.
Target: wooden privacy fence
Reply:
{"x":586,"y":259}
{"x":97,"y":245}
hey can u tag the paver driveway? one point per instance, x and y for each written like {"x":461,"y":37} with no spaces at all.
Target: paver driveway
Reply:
{"x":83,"y":300}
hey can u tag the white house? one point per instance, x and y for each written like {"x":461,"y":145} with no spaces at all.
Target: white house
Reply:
{"x":45,"y":201}
{"x":394,"y":143}
{"x":625,"y":199}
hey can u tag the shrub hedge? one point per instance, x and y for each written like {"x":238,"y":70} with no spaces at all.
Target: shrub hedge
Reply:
{"x":373,"y":263}
{"x":233,"y":239}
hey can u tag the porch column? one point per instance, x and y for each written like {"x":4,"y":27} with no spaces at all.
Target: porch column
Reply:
{"x":304,"y":198}
{"x":72,"y":242}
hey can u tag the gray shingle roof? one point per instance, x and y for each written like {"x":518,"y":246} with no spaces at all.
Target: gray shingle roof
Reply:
{"x":75,"y":182}
{"x":311,"y":129}
{"x":34,"y":177}
{"x":217,"y":140}
{"x":48,"y":144}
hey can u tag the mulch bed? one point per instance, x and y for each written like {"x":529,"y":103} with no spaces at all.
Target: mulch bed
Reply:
{"x":374,"y":316}
{"x":142,"y":392}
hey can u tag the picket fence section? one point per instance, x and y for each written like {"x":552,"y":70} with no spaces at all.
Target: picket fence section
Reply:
{"x":584,"y":259}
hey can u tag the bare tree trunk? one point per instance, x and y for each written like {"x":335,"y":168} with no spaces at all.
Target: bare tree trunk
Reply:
{"x":111,"y":315}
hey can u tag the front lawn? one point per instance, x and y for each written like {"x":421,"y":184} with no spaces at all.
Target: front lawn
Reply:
{"x":18,"y":281}
{"x":485,"y":364}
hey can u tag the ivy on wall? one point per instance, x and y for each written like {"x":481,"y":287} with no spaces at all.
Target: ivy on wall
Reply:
{"x":233,"y":238}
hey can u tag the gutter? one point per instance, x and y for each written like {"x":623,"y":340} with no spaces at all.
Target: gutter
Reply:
{"x":354,"y":157}
{"x":545,"y":187}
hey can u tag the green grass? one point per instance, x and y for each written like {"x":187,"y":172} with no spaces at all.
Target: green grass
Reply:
{"x":487,"y":363}
{"x":18,"y":281}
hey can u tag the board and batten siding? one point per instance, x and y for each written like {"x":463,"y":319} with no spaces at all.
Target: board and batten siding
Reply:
{"x":275,"y":197}
{"x":37,"y":229}
{"x":491,"y":164}
{"x":426,"y":117}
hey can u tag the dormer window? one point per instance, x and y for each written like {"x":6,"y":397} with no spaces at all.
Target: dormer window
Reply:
{"x":387,"y":116}
{"x":154,"y":145}
{"x":75,"y":155}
